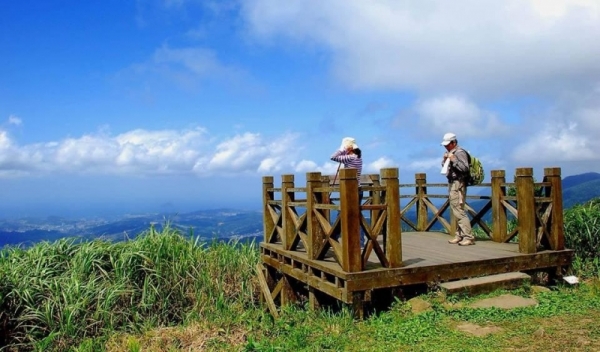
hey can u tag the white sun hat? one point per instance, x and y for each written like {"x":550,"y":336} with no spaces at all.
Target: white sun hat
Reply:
{"x":347,"y":142}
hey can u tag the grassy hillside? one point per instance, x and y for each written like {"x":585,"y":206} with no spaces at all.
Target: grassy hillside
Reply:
{"x":164,"y":291}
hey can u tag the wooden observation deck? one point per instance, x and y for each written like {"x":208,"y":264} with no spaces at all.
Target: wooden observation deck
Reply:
{"x":311,"y":248}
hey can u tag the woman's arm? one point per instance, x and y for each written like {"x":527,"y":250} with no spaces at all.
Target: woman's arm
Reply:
{"x":341,"y":156}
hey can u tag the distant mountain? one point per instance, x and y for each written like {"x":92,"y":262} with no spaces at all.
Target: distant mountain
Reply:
{"x":581,"y":188}
{"x":576,"y":180}
{"x":214,"y":224}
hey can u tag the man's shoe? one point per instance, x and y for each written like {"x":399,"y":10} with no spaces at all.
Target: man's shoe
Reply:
{"x":455,"y":240}
{"x":466,"y":242}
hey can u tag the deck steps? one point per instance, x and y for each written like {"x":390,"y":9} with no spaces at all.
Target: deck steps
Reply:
{"x":486,"y":284}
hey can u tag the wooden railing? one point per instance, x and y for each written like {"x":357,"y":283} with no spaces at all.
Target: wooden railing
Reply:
{"x":322,"y":216}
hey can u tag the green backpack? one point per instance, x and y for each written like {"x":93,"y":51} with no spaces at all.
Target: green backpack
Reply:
{"x":476,"y":173}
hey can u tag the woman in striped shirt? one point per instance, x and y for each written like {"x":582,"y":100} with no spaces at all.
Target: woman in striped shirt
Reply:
{"x":351,"y":156}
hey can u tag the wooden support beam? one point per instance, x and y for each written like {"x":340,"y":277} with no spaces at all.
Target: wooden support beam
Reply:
{"x":499,"y":219}
{"x":375,"y":197}
{"x":358,"y":306}
{"x":287,"y":196}
{"x":288,"y":296}
{"x":268,"y":223}
{"x":393,"y":229}
{"x":350,"y":220}
{"x":313,"y":299}
{"x":557,"y":236}
{"x":266,"y":292}
{"x":526,"y":209}
{"x":315,"y":230}
{"x":421,"y":194}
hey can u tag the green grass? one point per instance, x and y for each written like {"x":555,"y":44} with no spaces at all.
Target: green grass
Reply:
{"x":582,"y":233}
{"x":163,"y":291}
{"x":560,"y":312}
{"x":57,"y":295}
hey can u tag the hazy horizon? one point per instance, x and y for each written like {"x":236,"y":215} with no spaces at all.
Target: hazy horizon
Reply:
{"x":111,"y":211}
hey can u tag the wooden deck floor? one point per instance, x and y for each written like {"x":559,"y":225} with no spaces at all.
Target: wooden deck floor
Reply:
{"x":421,"y":249}
{"x":427,"y":258}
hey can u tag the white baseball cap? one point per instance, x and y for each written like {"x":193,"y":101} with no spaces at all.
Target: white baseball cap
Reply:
{"x":448,"y":137}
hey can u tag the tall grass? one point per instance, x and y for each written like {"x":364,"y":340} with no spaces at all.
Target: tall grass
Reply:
{"x":54,"y":295}
{"x":582,"y":234}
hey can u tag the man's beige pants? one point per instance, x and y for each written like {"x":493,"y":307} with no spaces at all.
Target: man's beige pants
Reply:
{"x":457,"y":193}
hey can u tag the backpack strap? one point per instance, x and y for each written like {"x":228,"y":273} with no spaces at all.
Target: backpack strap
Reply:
{"x":466,"y":175}
{"x":468,"y":156}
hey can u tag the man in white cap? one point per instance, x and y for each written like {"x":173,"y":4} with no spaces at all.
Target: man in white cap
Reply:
{"x":457,"y":172}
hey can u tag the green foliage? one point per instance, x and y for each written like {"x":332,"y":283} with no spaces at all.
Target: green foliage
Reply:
{"x":582,"y":234}
{"x":56,"y":294}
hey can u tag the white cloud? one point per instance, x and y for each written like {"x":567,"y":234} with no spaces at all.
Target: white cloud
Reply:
{"x":517,"y":80}
{"x":306,"y":166}
{"x":453,"y":113}
{"x":249,"y":152}
{"x":5,"y":142}
{"x":186,"y":67}
{"x":14,"y":120}
{"x":303,"y":166}
{"x":426,"y":164}
{"x":501,"y":47}
{"x":377,"y":165}
{"x":146,"y":153}
{"x":269,"y":165}
{"x":556,"y":143}
{"x":566,"y":131}
{"x":200,"y":61}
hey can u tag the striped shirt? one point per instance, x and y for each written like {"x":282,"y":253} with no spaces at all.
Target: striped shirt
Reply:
{"x":351,"y":161}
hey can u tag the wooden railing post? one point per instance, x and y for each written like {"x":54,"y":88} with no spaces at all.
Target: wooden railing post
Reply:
{"x":389,"y":177}
{"x":315,"y":232}
{"x":350,"y":220}
{"x":499,"y":220}
{"x":526,"y":210}
{"x":557,"y":236}
{"x":326,"y":197}
{"x":268,"y":223}
{"x":421,"y":194}
{"x":375,"y":197}
{"x":287,"y":224}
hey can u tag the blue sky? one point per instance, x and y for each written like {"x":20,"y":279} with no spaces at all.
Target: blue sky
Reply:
{"x":133,"y":106}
